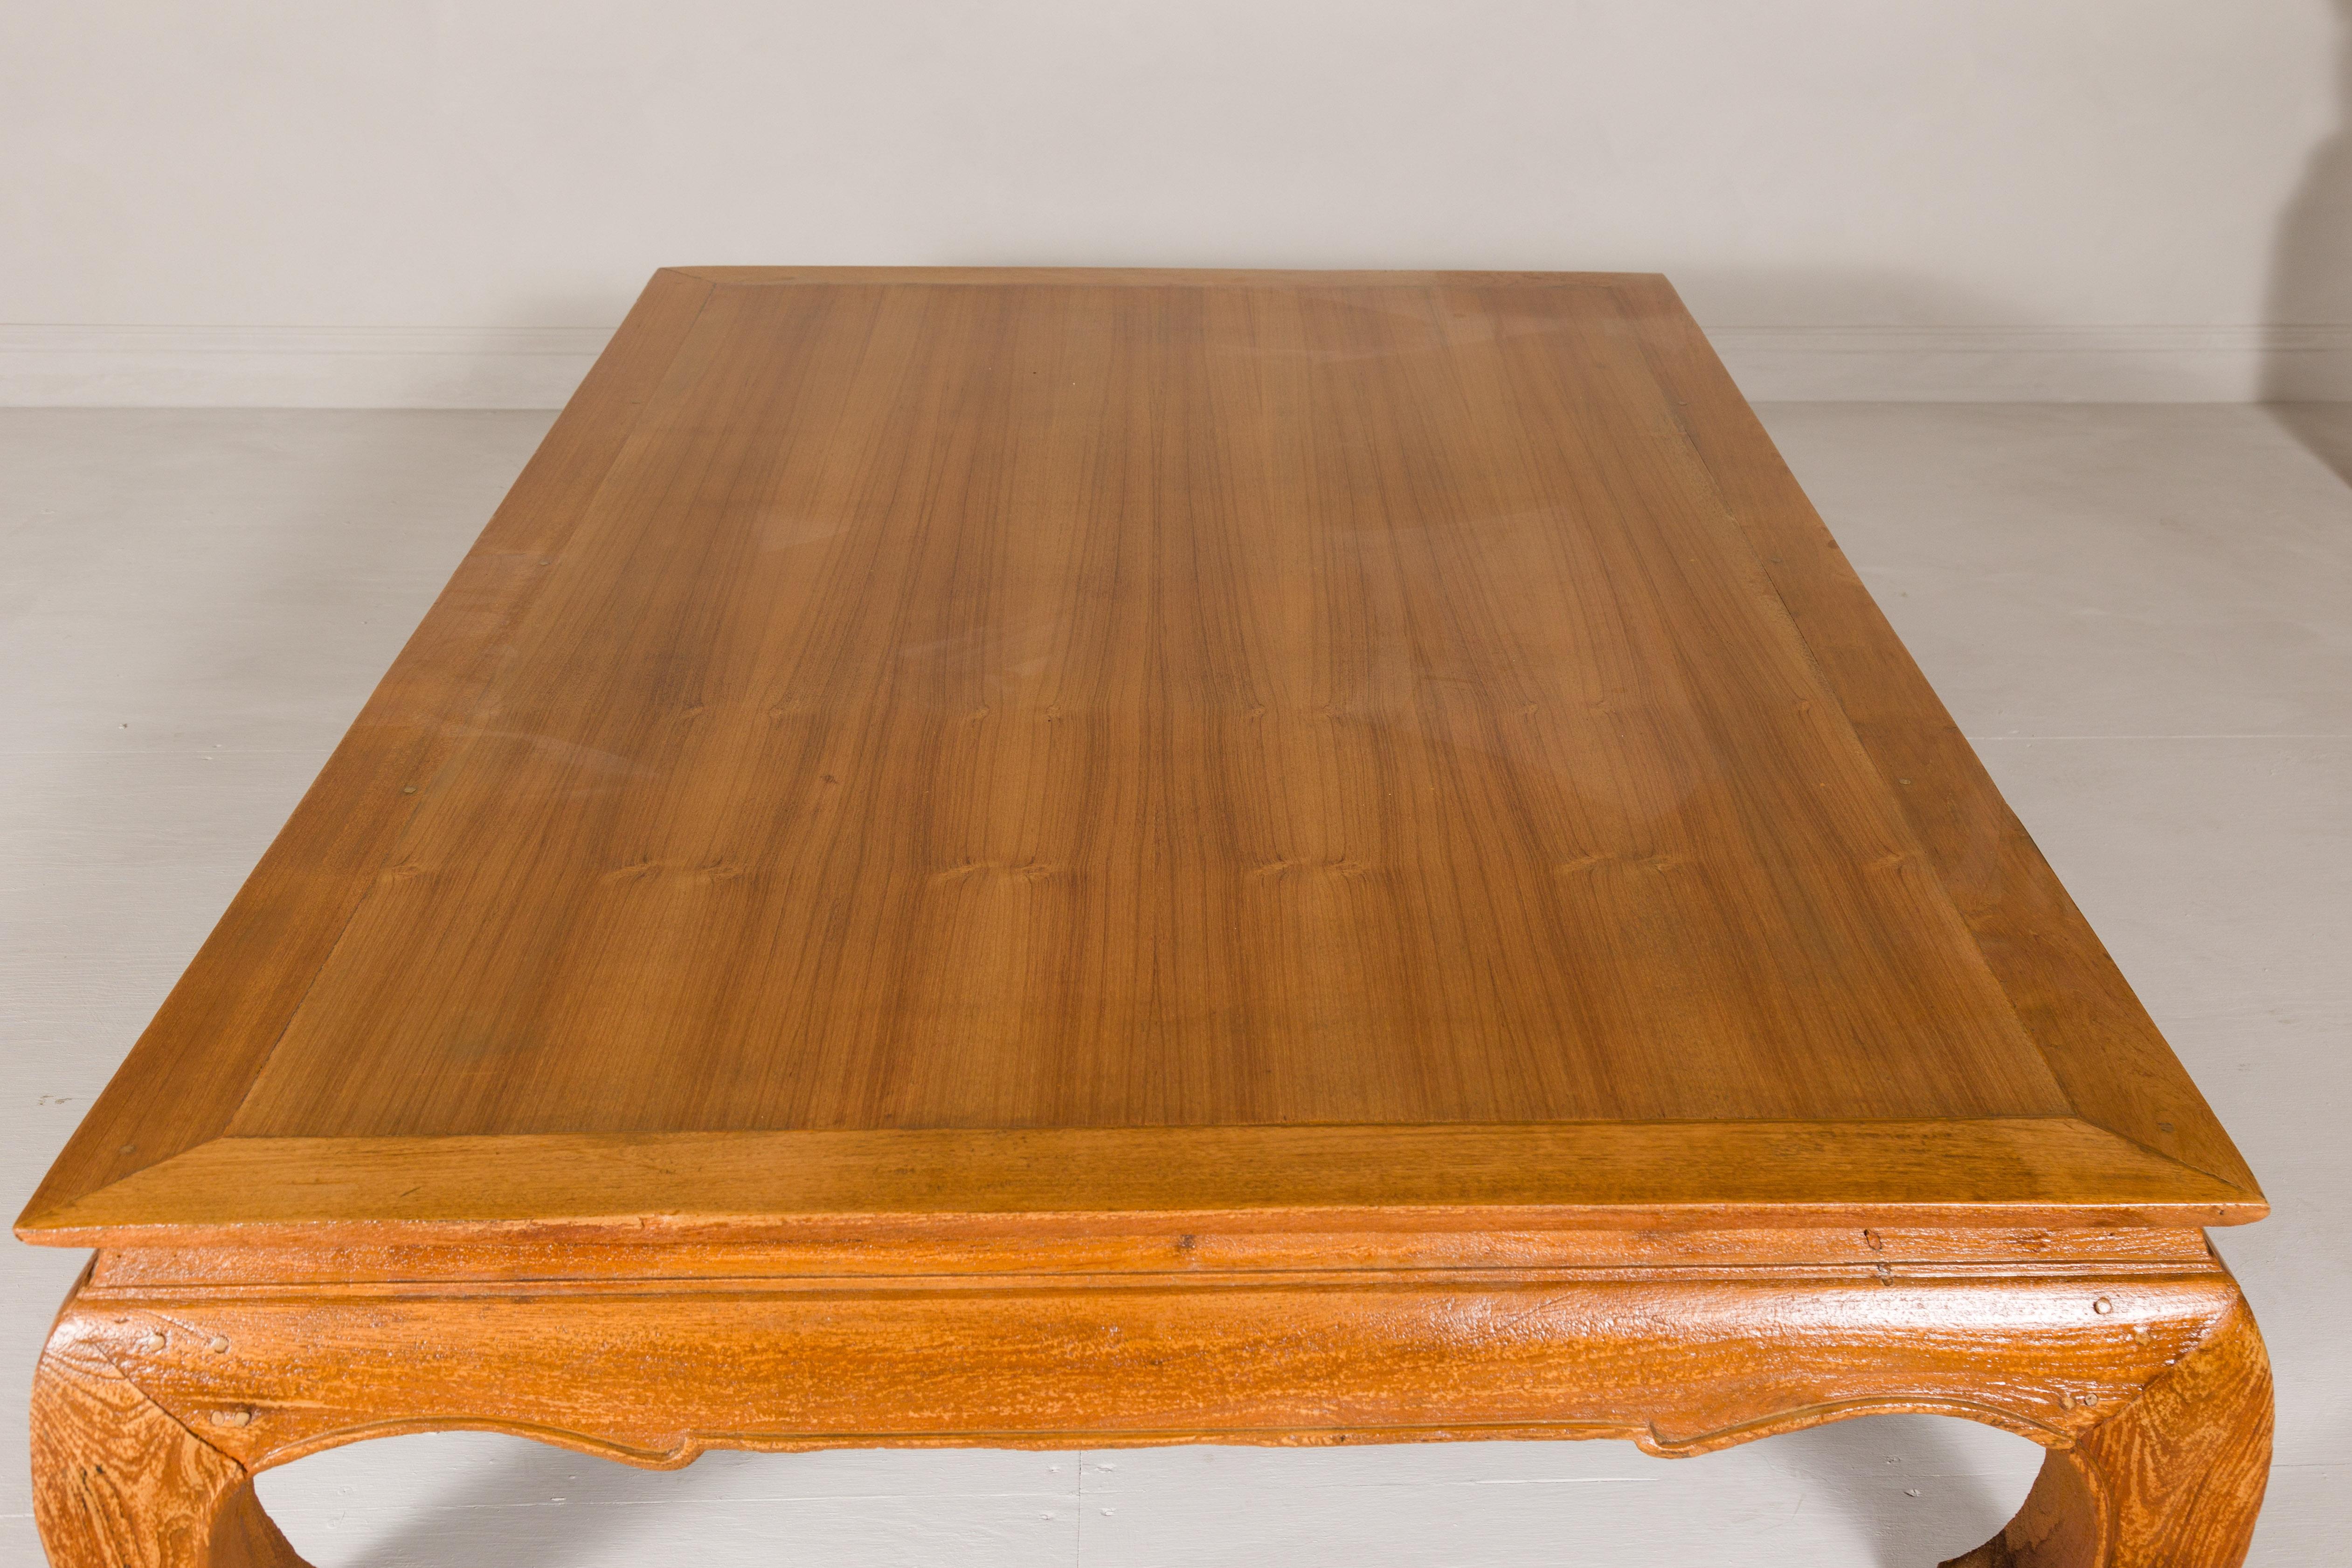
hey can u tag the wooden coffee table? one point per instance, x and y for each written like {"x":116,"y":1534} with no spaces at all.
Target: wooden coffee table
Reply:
{"x":1057,"y":859}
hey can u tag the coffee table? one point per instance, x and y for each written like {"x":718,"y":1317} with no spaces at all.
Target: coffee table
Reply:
{"x":1057,"y":859}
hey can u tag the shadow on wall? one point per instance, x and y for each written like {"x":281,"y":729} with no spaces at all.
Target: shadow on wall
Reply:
{"x":2310,"y":278}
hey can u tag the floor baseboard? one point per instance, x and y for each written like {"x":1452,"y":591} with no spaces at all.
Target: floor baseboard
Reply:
{"x":294,"y":367}
{"x":2039,"y":364}
{"x":470,"y":367}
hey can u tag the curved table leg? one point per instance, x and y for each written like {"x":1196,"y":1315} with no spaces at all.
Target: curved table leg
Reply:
{"x":118,"y":1483}
{"x":2175,"y":1478}
{"x":169,"y":1381}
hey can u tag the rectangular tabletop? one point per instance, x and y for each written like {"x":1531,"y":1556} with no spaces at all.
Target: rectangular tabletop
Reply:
{"x":994,"y":747}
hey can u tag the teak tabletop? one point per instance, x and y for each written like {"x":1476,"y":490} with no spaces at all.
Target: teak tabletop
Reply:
{"x":1290,"y":803}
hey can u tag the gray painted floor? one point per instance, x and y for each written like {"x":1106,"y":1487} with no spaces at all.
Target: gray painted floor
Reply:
{"x":2143,"y":616}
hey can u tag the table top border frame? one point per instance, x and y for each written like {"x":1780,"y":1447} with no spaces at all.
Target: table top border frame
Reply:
{"x":2151,"y":1115}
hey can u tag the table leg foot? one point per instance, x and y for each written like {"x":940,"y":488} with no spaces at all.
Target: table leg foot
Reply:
{"x":2174,"y":1480}
{"x":119,"y":1483}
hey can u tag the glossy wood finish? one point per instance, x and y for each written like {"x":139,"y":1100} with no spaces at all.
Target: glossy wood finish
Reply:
{"x":119,"y":1482}
{"x":1073,"y":1180}
{"x":1070,"y":858}
{"x":2177,"y":1476}
{"x":1351,"y":741}
{"x":173,"y":1377}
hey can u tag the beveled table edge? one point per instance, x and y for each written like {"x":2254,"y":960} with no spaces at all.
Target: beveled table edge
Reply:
{"x":2173,"y":1164}
{"x":272,"y":1191}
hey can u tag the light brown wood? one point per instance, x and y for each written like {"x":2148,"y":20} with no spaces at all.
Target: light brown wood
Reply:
{"x":2128,"y":1355}
{"x":1091,"y":1180}
{"x":2099,"y":1044}
{"x":1078,"y":858}
{"x":198,"y":1060}
{"x":1413,"y":712}
{"x":119,"y":1483}
{"x":2175,"y":1476}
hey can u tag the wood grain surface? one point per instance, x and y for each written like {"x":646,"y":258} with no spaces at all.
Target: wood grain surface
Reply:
{"x":1404,"y":726}
{"x":119,"y":1483}
{"x":171,"y":1378}
{"x":2175,"y":1477}
{"x":703,"y":1186}
{"x":2099,"y":1043}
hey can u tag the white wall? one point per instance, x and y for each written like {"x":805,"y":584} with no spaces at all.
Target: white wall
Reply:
{"x":449,"y":201}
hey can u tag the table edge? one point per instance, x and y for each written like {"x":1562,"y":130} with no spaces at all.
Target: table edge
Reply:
{"x":2007,"y":1171}
{"x":2112,"y":1063}
{"x":2151,"y":1119}
{"x":1151,"y":278}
